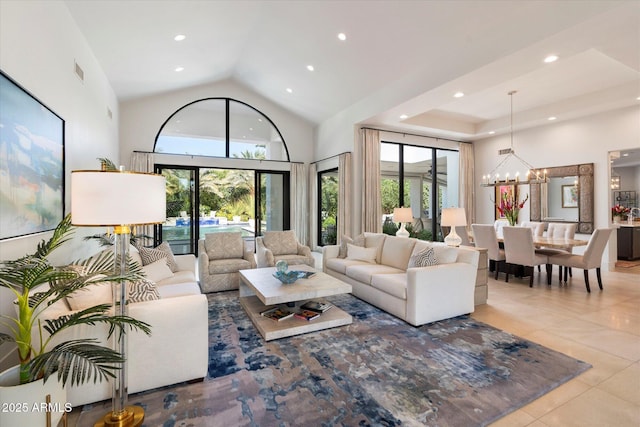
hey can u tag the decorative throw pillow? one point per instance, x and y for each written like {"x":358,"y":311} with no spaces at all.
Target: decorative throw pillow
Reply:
{"x":345,"y":240}
{"x":171,"y":260}
{"x":158,"y":270}
{"x":361,"y":254}
{"x":445,"y":254}
{"x":142,"y":290}
{"x":424,"y":258}
{"x":151,"y":255}
{"x":91,"y":295}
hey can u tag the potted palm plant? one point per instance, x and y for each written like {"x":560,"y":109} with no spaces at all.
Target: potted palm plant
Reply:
{"x":36,"y":284}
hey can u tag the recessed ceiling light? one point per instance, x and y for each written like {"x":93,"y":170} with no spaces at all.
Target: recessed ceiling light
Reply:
{"x":551,"y":58}
{"x":551,"y":118}
{"x":289,"y":90}
{"x":458,"y":95}
{"x":178,"y":69}
{"x":180,"y":37}
{"x":638,"y":98}
{"x":342,"y":36}
{"x":492,"y":132}
{"x":310,"y":67}
{"x":403,"y":116}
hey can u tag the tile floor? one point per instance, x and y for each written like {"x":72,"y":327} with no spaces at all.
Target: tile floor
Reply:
{"x":601,"y":328}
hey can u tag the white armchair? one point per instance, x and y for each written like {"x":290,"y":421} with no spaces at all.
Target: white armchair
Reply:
{"x":274,"y":246}
{"x":220,"y":257}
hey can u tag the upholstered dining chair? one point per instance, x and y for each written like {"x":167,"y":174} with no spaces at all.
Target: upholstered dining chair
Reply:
{"x":592,"y":257}
{"x":498,"y":225}
{"x":520,"y":251}
{"x":561,"y":231}
{"x":220,"y":256}
{"x":274,"y":246}
{"x":536,"y":227}
{"x":484,"y":236}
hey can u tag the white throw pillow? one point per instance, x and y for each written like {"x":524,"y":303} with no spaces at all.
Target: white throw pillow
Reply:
{"x":361,"y":254}
{"x":158,"y":270}
{"x":345,"y":240}
{"x":445,"y":254}
{"x":90,"y":296}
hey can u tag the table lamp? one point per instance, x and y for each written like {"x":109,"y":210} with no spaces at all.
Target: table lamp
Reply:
{"x":118,"y":199}
{"x":452,"y":217}
{"x":402,"y":215}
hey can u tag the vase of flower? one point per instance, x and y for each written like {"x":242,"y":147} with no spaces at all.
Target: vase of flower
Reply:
{"x":619,"y":213}
{"x":509,"y":207}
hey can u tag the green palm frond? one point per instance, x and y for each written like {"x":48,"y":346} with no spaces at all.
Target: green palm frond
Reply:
{"x":78,"y":361}
{"x":92,"y":316}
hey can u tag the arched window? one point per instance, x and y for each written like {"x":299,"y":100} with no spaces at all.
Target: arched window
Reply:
{"x":221,"y":127}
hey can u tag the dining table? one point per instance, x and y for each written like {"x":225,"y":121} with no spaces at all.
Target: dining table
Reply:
{"x":554,"y":242}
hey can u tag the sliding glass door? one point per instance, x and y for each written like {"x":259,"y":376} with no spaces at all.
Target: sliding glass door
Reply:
{"x":210,"y":200}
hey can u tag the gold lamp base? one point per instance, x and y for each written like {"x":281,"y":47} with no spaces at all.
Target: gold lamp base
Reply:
{"x":132,"y":417}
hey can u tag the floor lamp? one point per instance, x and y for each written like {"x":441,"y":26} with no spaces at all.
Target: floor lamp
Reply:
{"x":120,"y":200}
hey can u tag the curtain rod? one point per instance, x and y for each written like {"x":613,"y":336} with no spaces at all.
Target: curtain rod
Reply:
{"x":415,"y":134}
{"x":330,"y":157}
{"x":215,"y":157}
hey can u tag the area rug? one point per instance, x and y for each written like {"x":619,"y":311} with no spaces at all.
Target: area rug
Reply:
{"x":378,"y":371}
{"x":627,"y":264}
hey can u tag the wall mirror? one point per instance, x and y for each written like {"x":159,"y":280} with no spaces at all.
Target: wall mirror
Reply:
{"x":567,"y":197}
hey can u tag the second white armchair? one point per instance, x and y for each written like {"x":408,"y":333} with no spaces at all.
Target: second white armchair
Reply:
{"x":274,"y":246}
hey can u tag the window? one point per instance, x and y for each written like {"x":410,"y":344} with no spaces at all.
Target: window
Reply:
{"x":327,"y":207}
{"x":221,"y":127}
{"x":422,"y":178}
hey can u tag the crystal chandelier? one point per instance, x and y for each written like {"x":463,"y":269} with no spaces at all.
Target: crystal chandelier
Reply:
{"x":533,"y":175}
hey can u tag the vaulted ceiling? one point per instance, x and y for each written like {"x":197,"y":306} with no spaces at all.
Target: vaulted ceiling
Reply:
{"x":400,"y":58}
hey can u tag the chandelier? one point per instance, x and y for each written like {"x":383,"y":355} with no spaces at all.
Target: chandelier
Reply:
{"x":532,"y":176}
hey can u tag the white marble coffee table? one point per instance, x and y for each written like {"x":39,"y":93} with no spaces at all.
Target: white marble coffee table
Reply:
{"x":259,"y":290}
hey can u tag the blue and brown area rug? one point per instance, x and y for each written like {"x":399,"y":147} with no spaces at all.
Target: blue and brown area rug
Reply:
{"x":378,"y":371}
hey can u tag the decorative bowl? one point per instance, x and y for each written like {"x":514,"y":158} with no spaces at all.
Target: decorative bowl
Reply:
{"x":282,"y":266}
{"x":286,"y":277}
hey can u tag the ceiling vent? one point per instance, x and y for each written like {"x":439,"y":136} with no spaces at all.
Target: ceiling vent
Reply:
{"x":79,"y":71}
{"x":505,"y":151}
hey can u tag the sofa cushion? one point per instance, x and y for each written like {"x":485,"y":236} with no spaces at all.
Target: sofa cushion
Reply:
{"x":158,"y":270}
{"x":424,"y":258}
{"x":178,"y":290}
{"x":444,"y":254}
{"x":375,"y":240}
{"x":134,"y":254}
{"x":361,"y":254}
{"x":98,"y":293}
{"x":221,"y":266}
{"x":224,"y":245}
{"x":281,"y":242}
{"x":358,"y":241}
{"x":340,"y":265}
{"x":364,"y":272}
{"x":151,"y":255}
{"x":396,"y":251}
{"x":392,"y":284}
{"x":182,"y":276}
{"x":171,"y":260}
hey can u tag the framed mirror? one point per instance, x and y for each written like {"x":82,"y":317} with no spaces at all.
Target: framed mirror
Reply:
{"x":567,"y":197}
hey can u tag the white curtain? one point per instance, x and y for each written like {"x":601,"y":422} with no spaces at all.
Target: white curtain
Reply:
{"x":344,"y":196}
{"x":371,"y":200}
{"x":299,"y":202}
{"x":143,"y":162}
{"x":313,"y":206}
{"x":466,"y":183}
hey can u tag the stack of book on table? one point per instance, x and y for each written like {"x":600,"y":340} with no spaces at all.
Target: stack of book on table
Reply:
{"x":308,"y":311}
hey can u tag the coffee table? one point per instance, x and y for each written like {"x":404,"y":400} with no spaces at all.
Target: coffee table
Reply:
{"x":259,"y":290}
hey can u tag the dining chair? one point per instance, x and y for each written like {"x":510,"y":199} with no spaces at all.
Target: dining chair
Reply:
{"x":498,"y":224}
{"x":536,"y":227}
{"x":563,"y":231}
{"x":592,"y":257}
{"x":484,"y":236}
{"x":520,"y":251}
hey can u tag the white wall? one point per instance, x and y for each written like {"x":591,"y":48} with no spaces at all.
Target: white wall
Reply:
{"x":39,"y":42}
{"x":585,"y":140}
{"x":141,"y":119}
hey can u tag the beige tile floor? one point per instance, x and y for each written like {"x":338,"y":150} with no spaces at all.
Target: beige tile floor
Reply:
{"x":601,"y":328}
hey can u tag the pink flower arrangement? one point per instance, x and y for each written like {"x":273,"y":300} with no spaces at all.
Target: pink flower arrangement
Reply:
{"x":509,"y":207}
{"x":619,"y":210}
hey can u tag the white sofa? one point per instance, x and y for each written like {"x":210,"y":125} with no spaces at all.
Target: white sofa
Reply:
{"x":418,"y":295}
{"x":177,"y":349}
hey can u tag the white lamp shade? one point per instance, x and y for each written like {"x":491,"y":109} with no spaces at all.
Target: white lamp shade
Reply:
{"x":452,"y":217}
{"x":402,"y":215}
{"x":113,"y":198}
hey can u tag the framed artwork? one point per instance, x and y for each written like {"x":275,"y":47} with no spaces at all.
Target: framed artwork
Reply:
{"x":31,"y":163}
{"x":569,"y":196}
{"x":510,"y":190}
